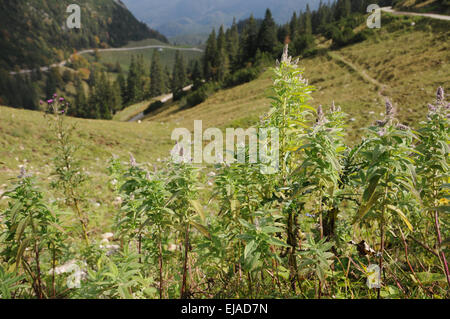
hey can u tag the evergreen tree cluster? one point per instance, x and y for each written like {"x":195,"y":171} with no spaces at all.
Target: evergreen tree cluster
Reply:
{"x":34,"y":32}
{"x":248,"y":40}
{"x":103,"y":100}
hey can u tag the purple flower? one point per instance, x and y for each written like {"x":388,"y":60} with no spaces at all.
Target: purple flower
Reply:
{"x":431,"y":108}
{"x":389,"y":108}
{"x":50,"y":101}
{"x":55,"y":95}
{"x":440,"y":95}
{"x":61,"y":99}
{"x":320,"y":115}
{"x":382,"y":132}
{"x":402,"y":127}
{"x":132,"y":161}
{"x":41,"y":102}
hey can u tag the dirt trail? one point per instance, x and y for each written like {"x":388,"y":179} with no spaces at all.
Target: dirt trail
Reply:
{"x":361,"y":72}
{"x":428,"y":15}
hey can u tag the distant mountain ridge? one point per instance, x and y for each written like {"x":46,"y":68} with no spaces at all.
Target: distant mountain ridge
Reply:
{"x":34,"y":32}
{"x":179,"y":17}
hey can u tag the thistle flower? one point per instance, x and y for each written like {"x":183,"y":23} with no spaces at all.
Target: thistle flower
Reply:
{"x":440,"y":95}
{"x":55,"y":95}
{"x":61,"y":99}
{"x":132,"y":161}
{"x":50,"y":101}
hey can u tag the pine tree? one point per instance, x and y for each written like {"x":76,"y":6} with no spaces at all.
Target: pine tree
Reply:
{"x":51,"y":84}
{"x":222,"y":57}
{"x":196,"y":75}
{"x":308,"y":23}
{"x":104,"y":97}
{"x":167,"y":78}
{"x":178,"y":75}
{"x":123,"y":86}
{"x":132,"y":82}
{"x":156,"y":76}
{"x":233,"y":45}
{"x":267,"y":37}
{"x":116,"y":97}
{"x":293,"y":25}
{"x":249,"y":40}
{"x":210,"y":56}
{"x":80,"y":106}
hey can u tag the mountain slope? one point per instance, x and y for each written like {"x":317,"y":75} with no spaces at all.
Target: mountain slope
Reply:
{"x":34,"y":32}
{"x":406,"y":62}
{"x":410,"y":61}
{"x":177,"y":17}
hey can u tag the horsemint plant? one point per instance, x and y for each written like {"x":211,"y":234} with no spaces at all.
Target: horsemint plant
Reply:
{"x":389,"y":176}
{"x":291,"y":114}
{"x":145,"y":201}
{"x":433,"y":168}
{"x":320,"y":172}
{"x":68,"y":174}
{"x":32,"y":235}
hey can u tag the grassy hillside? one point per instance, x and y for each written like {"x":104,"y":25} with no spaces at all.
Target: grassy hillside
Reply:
{"x":435,"y":6}
{"x":406,"y":61}
{"x":124,"y":57}
{"x":406,"y":64}
{"x":25,"y":141}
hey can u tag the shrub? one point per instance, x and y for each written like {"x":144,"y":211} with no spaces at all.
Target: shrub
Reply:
{"x":153,"y":107}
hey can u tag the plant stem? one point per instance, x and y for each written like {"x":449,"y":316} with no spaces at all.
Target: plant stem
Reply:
{"x":439,"y":238}
{"x":186,"y":248}
{"x":160,"y":257}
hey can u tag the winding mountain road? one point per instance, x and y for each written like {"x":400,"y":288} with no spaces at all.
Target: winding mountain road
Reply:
{"x":63,"y":63}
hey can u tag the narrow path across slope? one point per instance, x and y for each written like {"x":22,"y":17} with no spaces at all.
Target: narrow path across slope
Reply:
{"x":361,"y":72}
{"x":428,"y":15}
{"x":63,"y":63}
{"x":163,"y":99}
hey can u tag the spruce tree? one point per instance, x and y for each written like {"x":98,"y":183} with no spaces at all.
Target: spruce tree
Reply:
{"x":196,"y":75}
{"x":267,"y":37}
{"x":156,"y":76}
{"x":80,"y":107}
{"x":132,"y":82}
{"x":178,"y":75}
{"x":249,"y":40}
{"x":210,"y":56}
{"x":233,"y":45}
{"x":222,"y":56}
